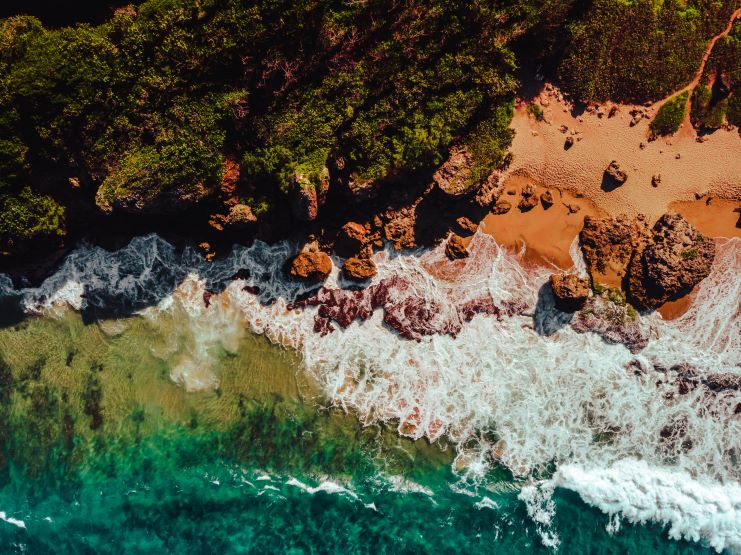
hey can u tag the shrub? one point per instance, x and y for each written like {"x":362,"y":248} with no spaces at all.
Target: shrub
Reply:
{"x":535,"y":111}
{"x":670,"y":115}
{"x":27,"y":215}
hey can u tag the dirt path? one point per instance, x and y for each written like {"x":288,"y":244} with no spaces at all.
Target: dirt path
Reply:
{"x":686,"y":124}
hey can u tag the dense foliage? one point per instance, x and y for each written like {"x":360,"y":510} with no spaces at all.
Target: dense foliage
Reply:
{"x":670,"y":115}
{"x":150,"y":112}
{"x":716,"y":99}
{"x":638,"y":50}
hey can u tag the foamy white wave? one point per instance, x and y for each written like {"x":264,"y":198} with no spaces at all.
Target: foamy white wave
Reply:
{"x":327,"y":486}
{"x":525,"y":390}
{"x":11,"y":520}
{"x":693,"y":509}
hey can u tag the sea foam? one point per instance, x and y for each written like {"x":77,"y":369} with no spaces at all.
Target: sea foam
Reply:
{"x":524,"y":390}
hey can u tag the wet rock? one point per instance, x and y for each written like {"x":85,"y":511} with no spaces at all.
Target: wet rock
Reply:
{"x":310,"y":266}
{"x":359,"y":269}
{"x":412,"y":316}
{"x":569,"y":291}
{"x":615,"y":174}
{"x":608,"y":244}
{"x":672,"y":262}
{"x":546,"y":199}
{"x":467,"y":225}
{"x":501,"y":207}
{"x":613,"y":321}
{"x":452,"y":177}
{"x":350,"y":239}
{"x":455,"y":248}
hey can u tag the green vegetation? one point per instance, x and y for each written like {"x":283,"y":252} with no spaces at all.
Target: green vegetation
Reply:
{"x":143,"y":110}
{"x":535,"y":111}
{"x":689,"y":254}
{"x":670,"y":115}
{"x":716,"y":99}
{"x":638,"y":50}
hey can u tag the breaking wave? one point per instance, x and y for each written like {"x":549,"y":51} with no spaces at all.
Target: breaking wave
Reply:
{"x":514,"y":386}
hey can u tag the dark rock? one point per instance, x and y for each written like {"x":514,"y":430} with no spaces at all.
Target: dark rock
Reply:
{"x":608,"y":244}
{"x":501,"y":207}
{"x":546,"y":199}
{"x":455,"y":248}
{"x":466,"y":225}
{"x":615,"y":174}
{"x":656,"y":180}
{"x":568,"y":143}
{"x":350,"y":239}
{"x":569,"y":291}
{"x":359,"y":269}
{"x":675,"y":259}
{"x":310,"y":266}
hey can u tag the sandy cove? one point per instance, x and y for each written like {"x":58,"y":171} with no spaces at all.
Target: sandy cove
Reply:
{"x":685,"y":165}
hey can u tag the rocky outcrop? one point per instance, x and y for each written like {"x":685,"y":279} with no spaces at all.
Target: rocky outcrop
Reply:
{"x":608,"y":245}
{"x":240,"y":217}
{"x":399,"y":228}
{"x":466,"y":225}
{"x":570,"y":291}
{"x":359,"y":269}
{"x":615,"y":322}
{"x":350,"y":239}
{"x":673,"y":261}
{"x":501,"y":207}
{"x":454,"y":248}
{"x":529,"y":199}
{"x":306,"y":197}
{"x":310,"y":266}
{"x":615,"y":174}
{"x":404,"y":310}
{"x":452,"y":178}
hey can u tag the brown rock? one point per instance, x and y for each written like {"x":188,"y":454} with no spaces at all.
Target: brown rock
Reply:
{"x":568,"y":143}
{"x":547,"y":199}
{"x":656,"y":180}
{"x":569,"y":291}
{"x":310,"y":266}
{"x":467,"y":225}
{"x":572,"y":208}
{"x":615,"y":174}
{"x":675,"y":259}
{"x":359,"y":269}
{"x":527,"y":203}
{"x":452,"y":177}
{"x":608,"y":244}
{"x":501,"y":207}
{"x":350,"y":239}
{"x":455,"y":248}
{"x":399,"y":229}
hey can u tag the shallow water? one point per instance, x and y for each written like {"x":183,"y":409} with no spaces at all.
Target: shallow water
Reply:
{"x":224,"y":424}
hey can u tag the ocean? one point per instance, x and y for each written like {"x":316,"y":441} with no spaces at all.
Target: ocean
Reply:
{"x":153,"y":402}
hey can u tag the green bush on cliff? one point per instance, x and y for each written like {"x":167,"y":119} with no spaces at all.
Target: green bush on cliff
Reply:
{"x":670,"y":115}
{"x":638,"y":50}
{"x":26,"y":215}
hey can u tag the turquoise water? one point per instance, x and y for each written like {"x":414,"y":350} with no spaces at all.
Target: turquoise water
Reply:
{"x":102,"y":453}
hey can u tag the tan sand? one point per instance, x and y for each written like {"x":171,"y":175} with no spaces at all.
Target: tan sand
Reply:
{"x":546,"y":232}
{"x":685,"y":165}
